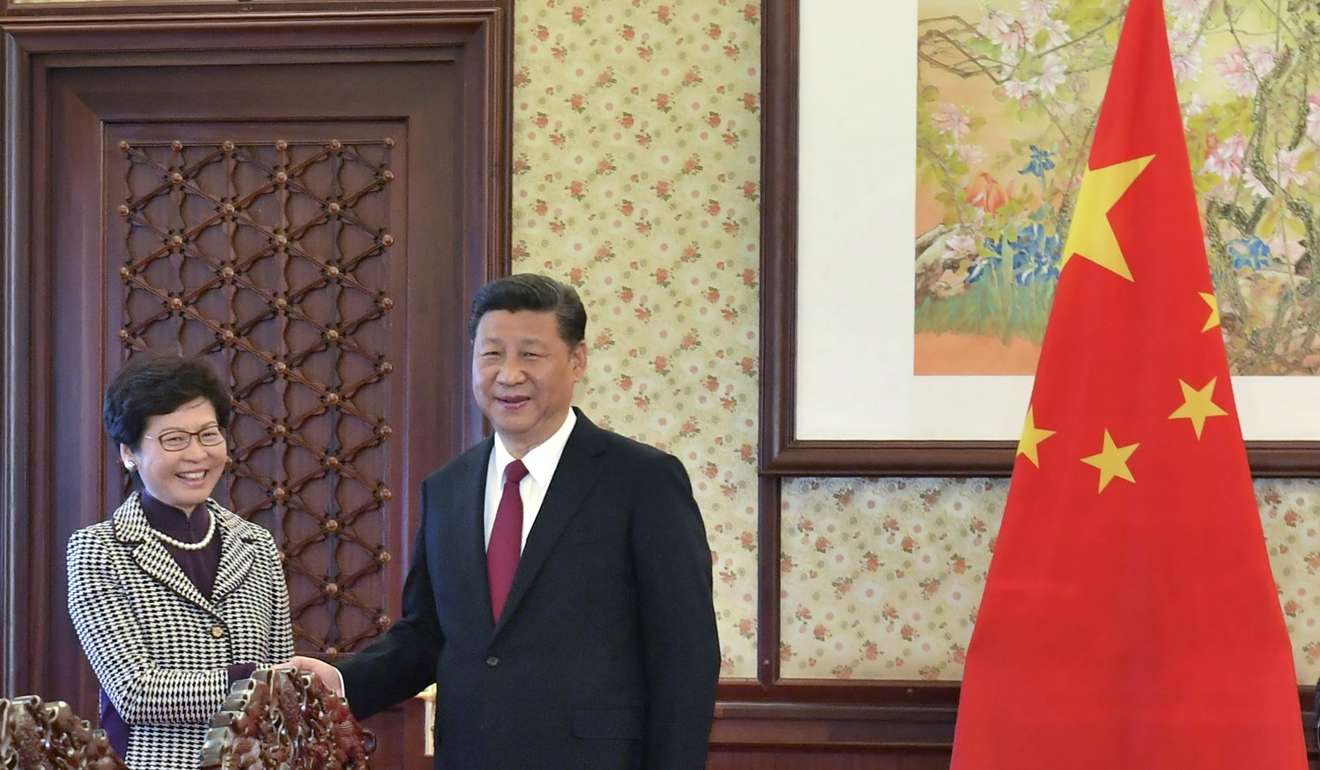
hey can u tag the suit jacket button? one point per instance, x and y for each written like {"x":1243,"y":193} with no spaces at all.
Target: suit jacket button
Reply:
{"x":217,"y":631}
{"x":492,"y":661}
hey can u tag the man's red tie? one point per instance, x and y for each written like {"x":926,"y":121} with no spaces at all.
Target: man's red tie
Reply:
{"x":505,"y":538}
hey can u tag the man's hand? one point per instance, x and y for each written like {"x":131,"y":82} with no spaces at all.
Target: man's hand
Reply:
{"x":328,"y":674}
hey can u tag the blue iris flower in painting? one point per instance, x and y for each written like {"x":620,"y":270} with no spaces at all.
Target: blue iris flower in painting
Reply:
{"x":1040,"y":162}
{"x":987,"y":263}
{"x":1251,"y":253}
{"x":1036,"y":255}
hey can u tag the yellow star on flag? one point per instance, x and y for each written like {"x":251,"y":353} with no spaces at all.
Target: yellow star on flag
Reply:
{"x":1032,"y":437}
{"x":1091,"y":236}
{"x":1197,"y":405}
{"x":1112,"y":461}
{"x":1213,"y":320}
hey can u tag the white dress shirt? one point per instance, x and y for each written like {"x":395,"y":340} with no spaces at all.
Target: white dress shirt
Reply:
{"x":541,"y":463}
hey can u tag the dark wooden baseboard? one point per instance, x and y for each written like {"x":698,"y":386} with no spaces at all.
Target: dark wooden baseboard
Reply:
{"x":767,"y":758}
{"x":849,"y":725}
{"x":823,"y":725}
{"x":836,"y":715}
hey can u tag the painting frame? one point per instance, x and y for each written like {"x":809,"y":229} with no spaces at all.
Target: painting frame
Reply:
{"x":783,"y":452}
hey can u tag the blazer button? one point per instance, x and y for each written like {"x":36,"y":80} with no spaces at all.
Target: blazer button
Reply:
{"x":217,"y":631}
{"x":492,"y":661}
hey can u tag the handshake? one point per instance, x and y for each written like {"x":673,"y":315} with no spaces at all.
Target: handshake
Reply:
{"x":326,"y":673}
{"x":287,"y":718}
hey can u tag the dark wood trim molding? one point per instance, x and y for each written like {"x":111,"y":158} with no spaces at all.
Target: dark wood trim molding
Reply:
{"x":14,"y":405}
{"x":1284,"y":458}
{"x":767,"y":582}
{"x":1268,"y":459}
{"x":789,"y":726}
{"x":835,"y":715}
{"x":842,"y":692}
{"x":779,"y":157}
{"x":890,"y":458}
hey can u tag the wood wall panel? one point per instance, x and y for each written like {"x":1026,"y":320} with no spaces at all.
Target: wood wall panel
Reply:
{"x":290,"y":288}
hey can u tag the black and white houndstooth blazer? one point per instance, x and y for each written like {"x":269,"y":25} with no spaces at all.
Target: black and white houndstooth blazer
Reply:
{"x":160,"y":649}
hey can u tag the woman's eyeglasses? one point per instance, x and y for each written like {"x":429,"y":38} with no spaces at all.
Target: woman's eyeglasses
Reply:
{"x":178,"y":440}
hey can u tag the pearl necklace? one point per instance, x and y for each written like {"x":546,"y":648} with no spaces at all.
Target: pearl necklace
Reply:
{"x":197,"y":546}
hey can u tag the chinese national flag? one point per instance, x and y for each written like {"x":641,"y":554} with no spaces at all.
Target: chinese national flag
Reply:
{"x":1130,"y":620}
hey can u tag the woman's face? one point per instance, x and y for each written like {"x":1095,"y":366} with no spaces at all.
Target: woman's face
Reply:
{"x":184,"y":478}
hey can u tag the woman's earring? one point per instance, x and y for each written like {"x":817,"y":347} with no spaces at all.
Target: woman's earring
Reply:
{"x":128,"y":466}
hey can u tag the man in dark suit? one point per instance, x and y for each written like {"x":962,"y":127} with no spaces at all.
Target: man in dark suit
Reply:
{"x":559,"y":593}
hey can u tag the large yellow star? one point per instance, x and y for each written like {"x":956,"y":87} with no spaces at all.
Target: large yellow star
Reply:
{"x":1197,"y":405}
{"x":1091,"y":236}
{"x":1112,"y":461}
{"x":1213,"y":320}
{"x":1031,"y":437}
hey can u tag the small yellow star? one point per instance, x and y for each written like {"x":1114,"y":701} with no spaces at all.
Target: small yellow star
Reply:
{"x":1032,"y":437}
{"x":1213,"y":320}
{"x":1091,"y":236}
{"x":1112,"y":461}
{"x":1197,"y":405}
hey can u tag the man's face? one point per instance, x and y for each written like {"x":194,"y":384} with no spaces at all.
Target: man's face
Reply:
{"x":523,"y":375}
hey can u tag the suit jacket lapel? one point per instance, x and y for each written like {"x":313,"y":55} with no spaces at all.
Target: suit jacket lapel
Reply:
{"x":469,"y":534}
{"x":130,"y":524}
{"x":574,"y":477}
{"x":237,"y":554}
{"x":157,"y":562}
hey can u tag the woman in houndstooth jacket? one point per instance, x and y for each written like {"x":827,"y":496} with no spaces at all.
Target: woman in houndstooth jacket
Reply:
{"x":173,"y":597}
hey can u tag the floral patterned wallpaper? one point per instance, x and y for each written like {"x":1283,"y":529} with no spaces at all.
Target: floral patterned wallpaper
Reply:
{"x":636,"y":178}
{"x":881,"y":578}
{"x":636,"y":146}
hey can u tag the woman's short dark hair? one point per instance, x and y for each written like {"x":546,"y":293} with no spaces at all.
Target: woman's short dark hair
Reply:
{"x":155,"y":383}
{"x":539,"y":293}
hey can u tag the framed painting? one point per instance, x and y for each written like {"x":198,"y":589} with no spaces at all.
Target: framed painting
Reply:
{"x":920,"y":160}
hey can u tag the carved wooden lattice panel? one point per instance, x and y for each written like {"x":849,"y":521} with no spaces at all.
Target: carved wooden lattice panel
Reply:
{"x":270,"y":258}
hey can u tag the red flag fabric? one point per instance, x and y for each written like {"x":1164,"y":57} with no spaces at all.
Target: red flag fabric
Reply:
{"x":1130,"y":619}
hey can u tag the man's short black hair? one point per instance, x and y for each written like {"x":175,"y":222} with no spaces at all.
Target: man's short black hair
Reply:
{"x":155,"y":383}
{"x":538,"y":293}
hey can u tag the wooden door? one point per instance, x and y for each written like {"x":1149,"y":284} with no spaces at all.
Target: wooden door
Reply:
{"x":308,"y":202}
